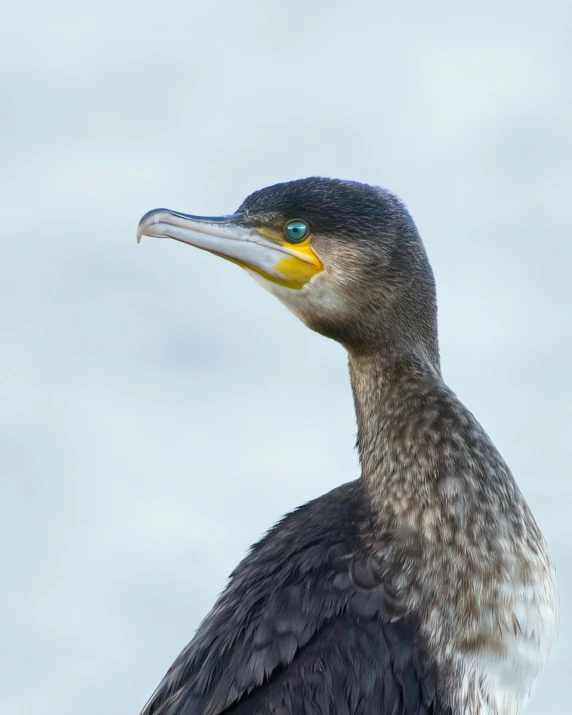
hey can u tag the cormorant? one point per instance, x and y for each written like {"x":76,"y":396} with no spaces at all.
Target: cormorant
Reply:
{"x":422,"y":588}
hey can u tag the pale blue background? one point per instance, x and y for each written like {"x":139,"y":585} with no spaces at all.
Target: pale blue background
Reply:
{"x":158,"y":410}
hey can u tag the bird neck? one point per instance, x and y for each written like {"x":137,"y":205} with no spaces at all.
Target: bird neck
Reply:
{"x":395,"y":398}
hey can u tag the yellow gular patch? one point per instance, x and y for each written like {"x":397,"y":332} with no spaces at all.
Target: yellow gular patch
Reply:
{"x":294,"y":271}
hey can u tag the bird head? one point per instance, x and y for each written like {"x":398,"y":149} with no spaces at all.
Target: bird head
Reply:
{"x":345,"y":257}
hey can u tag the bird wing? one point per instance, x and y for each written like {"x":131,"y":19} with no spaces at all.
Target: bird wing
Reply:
{"x":294,"y":632}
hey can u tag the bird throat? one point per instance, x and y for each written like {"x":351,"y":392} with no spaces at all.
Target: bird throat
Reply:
{"x":396,"y":398}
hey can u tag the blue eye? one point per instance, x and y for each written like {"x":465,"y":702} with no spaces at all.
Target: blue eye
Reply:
{"x":296,"y":230}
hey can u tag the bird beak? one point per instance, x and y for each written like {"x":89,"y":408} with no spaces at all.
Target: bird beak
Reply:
{"x":228,"y":236}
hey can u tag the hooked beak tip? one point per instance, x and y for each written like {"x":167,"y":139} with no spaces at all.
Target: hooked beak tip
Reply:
{"x":145,"y":223}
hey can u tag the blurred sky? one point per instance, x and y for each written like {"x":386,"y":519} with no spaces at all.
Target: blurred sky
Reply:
{"x":158,"y":411}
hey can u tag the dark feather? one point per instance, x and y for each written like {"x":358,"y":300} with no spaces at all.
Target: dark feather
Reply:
{"x":304,"y":626}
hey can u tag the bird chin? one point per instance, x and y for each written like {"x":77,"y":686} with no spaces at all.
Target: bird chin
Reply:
{"x":289,"y":296}
{"x":312,"y":304}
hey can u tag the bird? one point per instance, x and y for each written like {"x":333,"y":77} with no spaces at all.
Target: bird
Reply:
{"x":425,"y":586}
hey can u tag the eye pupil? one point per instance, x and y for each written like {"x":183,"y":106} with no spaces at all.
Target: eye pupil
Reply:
{"x":296,"y":230}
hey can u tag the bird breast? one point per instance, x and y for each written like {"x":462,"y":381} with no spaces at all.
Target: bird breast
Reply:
{"x":503,"y":649}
